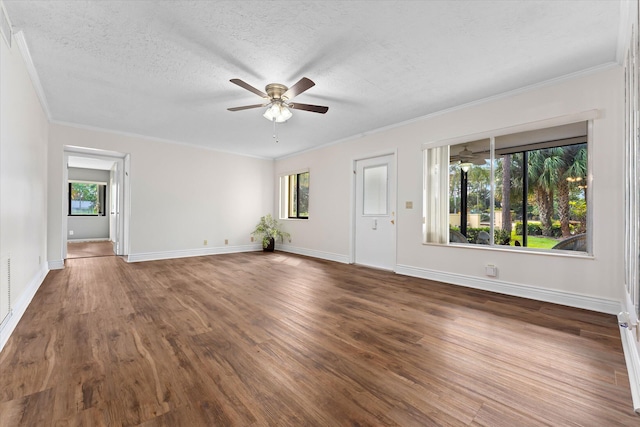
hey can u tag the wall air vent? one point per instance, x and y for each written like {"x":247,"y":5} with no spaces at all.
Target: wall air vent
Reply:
{"x":5,"y":25}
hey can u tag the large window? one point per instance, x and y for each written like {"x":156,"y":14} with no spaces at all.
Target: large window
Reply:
{"x":526,"y":189}
{"x":294,"y":196}
{"x":87,"y":198}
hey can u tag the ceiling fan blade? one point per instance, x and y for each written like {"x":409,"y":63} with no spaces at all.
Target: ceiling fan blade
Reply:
{"x":248,"y":87}
{"x":302,"y":85}
{"x":247,"y":107}
{"x":313,"y":108}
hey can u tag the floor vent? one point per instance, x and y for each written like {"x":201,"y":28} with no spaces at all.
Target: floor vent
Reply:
{"x":5,"y":26}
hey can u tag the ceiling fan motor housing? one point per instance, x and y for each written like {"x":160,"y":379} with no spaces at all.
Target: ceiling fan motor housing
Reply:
{"x":275,"y":90}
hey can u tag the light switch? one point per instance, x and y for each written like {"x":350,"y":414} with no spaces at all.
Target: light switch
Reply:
{"x":408,"y":205}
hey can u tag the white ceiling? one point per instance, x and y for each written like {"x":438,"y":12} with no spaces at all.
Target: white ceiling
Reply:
{"x":162,"y":68}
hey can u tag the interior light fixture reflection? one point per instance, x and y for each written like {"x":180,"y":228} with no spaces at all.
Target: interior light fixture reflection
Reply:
{"x":466,"y":166}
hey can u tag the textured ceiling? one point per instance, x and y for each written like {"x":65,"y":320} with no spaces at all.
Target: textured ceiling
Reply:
{"x":162,"y":68}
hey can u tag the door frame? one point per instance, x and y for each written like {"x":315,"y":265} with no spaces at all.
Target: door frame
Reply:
{"x":125,"y":178}
{"x":354,"y":202}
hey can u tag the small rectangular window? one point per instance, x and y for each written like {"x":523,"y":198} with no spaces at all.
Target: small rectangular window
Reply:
{"x":294,"y":197}
{"x":375,"y":190}
{"x":87,"y":198}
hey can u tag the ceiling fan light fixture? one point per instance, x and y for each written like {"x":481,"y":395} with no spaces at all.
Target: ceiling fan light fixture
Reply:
{"x":466,"y":166}
{"x":278,"y":112}
{"x":285,"y":113}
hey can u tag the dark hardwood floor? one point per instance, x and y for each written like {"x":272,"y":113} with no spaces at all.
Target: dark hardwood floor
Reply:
{"x":258,"y":339}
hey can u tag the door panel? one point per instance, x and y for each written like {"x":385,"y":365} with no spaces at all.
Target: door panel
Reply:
{"x":115,"y":225}
{"x":375,"y":202}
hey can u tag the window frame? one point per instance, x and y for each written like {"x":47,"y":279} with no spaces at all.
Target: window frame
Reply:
{"x":287,"y":195}
{"x":102,"y":195}
{"x":586,"y":116}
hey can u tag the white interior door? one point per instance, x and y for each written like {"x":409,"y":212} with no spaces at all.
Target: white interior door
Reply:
{"x":114,"y":212}
{"x":375,"y":216}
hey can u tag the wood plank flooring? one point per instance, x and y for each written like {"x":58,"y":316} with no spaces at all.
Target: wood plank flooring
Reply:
{"x":89,"y":249}
{"x":259,"y":339}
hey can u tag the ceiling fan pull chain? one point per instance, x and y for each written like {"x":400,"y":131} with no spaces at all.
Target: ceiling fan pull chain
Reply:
{"x":275,"y":134}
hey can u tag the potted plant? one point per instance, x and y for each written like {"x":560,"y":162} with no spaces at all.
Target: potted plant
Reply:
{"x":268,"y":229}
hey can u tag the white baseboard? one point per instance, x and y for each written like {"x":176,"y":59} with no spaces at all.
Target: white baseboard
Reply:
{"x":185,"y":253}
{"x":57,"y":264}
{"x":602,"y":305}
{"x":106,"y":239}
{"x":20,"y":306}
{"x":313,"y":253}
{"x":632,"y":359}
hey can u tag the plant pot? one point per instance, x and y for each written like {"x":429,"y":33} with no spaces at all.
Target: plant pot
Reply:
{"x":271,"y":246}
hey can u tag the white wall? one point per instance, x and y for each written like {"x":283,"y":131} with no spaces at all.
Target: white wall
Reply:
{"x":591,"y":283}
{"x":180,"y":195}
{"x":89,"y":227}
{"x":23,"y":183}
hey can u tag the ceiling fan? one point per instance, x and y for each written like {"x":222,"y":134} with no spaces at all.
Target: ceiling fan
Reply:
{"x":278,"y":99}
{"x":466,"y":156}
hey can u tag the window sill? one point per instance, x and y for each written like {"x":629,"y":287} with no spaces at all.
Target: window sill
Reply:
{"x":513,"y":249}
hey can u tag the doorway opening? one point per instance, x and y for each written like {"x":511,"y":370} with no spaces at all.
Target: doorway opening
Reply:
{"x":95,"y":209}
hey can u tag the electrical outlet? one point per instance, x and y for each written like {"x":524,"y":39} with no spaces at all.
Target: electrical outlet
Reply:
{"x":491,"y":270}
{"x":252,"y":238}
{"x":226,"y":241}
{"x":70,"y":232}
{"x":206,"y":242}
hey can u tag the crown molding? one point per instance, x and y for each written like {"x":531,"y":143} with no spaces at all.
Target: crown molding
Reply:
{"x":21,"y":42}
{"x":152,"y":138}
{"x":479,"y":102}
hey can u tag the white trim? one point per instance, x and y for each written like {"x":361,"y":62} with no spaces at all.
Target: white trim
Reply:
{"x":153,"y":139}
{"x":7,"y":37}
{"x":629,"y":307}
{"x":187,"y":253}
{"x":479,"y":102}
{"x":294,"y":172}
{"x":582,"y":116}
{"x":329,"y":256}
{"x":632,"y":360}
{"x":515,"y":249}
{"x":624,"y":31}
{"x":21,"y":305}
{"x":603,"y":305}
{"x":589,"y":191}
{"x":126,"y":205}
{"x":21,"y":42}
{"x":57,"y":264}
{"x":124,"y":161}
{"x":84,"y":181}
{"x":65,"y":204}
{"x":93,"y":153}
{"x":97,"y":239}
